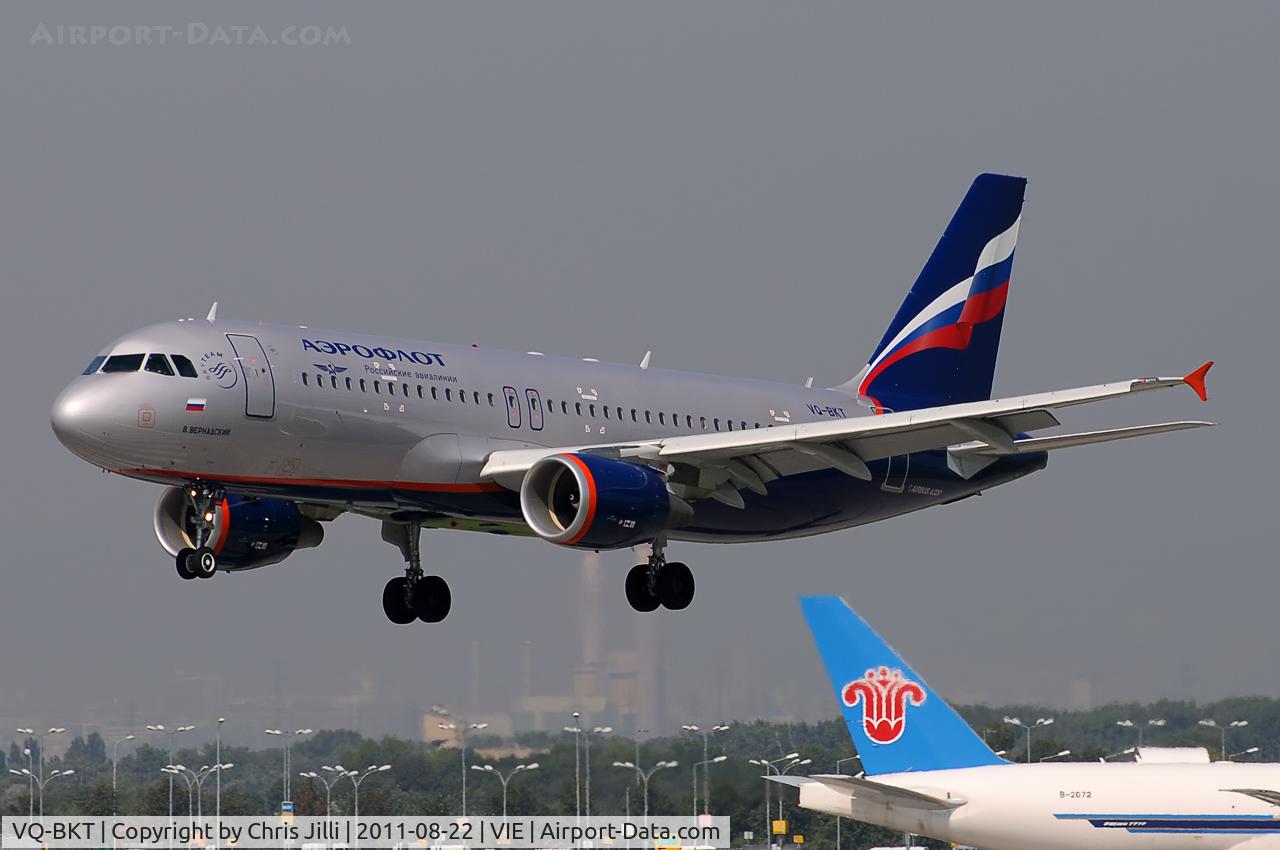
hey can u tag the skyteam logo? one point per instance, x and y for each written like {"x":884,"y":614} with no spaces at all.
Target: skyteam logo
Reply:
{"x":884,"y":695}
{"x":330,"y":368}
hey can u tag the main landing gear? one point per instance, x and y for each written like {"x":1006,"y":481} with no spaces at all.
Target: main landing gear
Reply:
{"x":413,"y":595}
{"x":657,"y":583}
{"x":200,"y":562}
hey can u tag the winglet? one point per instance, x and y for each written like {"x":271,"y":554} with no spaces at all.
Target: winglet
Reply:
{"x":1195,"y":380}
{"x":213,"y":313}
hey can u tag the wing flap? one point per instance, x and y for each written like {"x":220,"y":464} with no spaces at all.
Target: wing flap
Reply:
{"x":1067,"y":441}
{"x":879,"y":792}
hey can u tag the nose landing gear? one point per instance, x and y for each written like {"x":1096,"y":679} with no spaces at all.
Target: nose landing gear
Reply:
{"x":657,"y":582}
{"x":413,"y":595}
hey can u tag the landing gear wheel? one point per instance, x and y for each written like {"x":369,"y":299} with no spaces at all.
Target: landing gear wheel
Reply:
{"x":639,"y":596}
{"x":395,"y":601}
{"x":432,"y":599}
{"x":180,"y":561}
{"x":202,"y":562}
{"x":675,"y":586}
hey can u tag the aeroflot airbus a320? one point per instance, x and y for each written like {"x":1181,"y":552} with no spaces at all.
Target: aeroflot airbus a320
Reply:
{"x":263,"y":432}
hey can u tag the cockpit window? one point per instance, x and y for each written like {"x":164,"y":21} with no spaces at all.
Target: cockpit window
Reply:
{"x":123,"y":363}
{"x":93,"y":365}
{"x":185,"y":369}
{"x":159,"y":364}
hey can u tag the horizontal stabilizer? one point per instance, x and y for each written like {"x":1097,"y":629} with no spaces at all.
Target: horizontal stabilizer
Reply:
{"x":1066,"y":441}
{"x":877,"y":792}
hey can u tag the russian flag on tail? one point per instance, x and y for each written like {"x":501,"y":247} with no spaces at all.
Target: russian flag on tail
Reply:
{"x":941,"y":346}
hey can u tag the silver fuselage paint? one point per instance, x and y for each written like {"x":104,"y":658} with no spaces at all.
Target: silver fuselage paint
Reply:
{"x":331,"y":417}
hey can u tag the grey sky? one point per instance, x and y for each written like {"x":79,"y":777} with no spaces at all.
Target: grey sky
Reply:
{"x":743,"y":188}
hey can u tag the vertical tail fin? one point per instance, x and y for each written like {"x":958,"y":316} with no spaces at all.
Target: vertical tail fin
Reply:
{"x":941,"y":346}
{"x":897,"y":723}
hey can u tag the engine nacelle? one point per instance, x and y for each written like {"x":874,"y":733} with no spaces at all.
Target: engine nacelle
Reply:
{"x":247,"y":532}
{"x":592,"y":502}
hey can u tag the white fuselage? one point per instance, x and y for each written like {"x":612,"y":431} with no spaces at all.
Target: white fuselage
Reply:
{"x":1082,"y":806}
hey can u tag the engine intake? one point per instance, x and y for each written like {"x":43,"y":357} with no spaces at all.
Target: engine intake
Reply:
{"x":591,"y":502}
{"x":247,"y":532}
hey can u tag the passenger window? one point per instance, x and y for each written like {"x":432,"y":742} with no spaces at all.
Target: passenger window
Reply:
{"x":462,"y":396}
{"x":702,"y":421}
{"x":93,"y":365}
{"x":729,"y":422}
{"x":564,"y":408}
{"x":448,"y":394}
{"x":662,"y":418}
{"x":348,"y":384}
{"x":435,"y":394}
{"x":633,"y":415}
{"x":491,"y":399}
{"x":362,"y":386}
{"x":185,"y":369}
{"x":745,"y":424}
{"x":406,"y":390}
{"x":320,"y":381}
{"x":648,"y":419}
{"x":475,"y":396}
{"x":305,"y":379}
{"x":577,"y":405}
{"x":592,"y":408}
{"x":606,"y":411}
{"x":717,"y":423}
{"x":159,"y":364}
{"x":419,"y":390}
{"x":377,"y":386}
{"x":333,"y":381}
{"x":123,"y":363}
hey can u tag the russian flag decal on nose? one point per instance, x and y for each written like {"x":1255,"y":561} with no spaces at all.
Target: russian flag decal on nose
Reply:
{"x":195,"y":405}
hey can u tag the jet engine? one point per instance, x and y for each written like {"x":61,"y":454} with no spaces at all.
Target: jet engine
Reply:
{"x":592,"y":502}
{"x":247,"y":532}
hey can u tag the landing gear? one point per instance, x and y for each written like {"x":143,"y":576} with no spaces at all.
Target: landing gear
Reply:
{"x":202,"y":561}
{"x":413,"y":595}
{"x":657,"y":583}
{"x":184,"y":570}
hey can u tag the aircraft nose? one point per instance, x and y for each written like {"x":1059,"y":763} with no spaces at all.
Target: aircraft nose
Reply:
{"x":76,"y":424}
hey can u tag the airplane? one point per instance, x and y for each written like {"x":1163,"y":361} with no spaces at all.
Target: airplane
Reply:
{"x":925,"y":771}
{"x":263,"y":432}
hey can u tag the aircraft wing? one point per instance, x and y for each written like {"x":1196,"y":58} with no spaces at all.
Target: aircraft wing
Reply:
{"x":876,"y":792}
{"x":975,"y":435}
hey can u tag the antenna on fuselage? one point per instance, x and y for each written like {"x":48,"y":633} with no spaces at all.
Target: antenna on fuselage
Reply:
{"x":213,"y":313}
{"x":808,"y":383}
{"x":644,"y":361}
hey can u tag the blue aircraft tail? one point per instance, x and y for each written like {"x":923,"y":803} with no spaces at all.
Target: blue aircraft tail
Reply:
{"x":941,"y":347}
{"x":897,"y":723}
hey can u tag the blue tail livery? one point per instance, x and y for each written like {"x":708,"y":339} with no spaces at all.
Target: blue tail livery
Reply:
{"x":897,"y":723}
{"x":941,"y":346}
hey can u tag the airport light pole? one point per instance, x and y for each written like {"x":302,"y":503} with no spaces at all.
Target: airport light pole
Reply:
{"x":217,"y":782}
{"x":705,"y":765}
{"x":39,"y":736}
{"x":1247,"y":752}
{"x":706,"y":760}
{"x":1125,"y":752}
{"x":1058,"y":755}
{"x":41,"y":781}
{"x":770,"y":767}
{"x":504,"y":778}
{"x":31,"y":786}
{"x":328,"y":785}
{"x":586,"y":736}
{"x":639,"y":732}
{"x":288,"y":755}
{"x":1222,"y":728}
{"x":162,"y":729}
{"x":183,"y":771}
{"x":576,"y":729}
{"x":783,"y":772}
{"x":1040,"y":721}
{"x":645,"y":777}
{"x":461,"y":729}
{"x":1129,"y":724}
{"x":115,"y":756}
{"x":838,"y":818}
